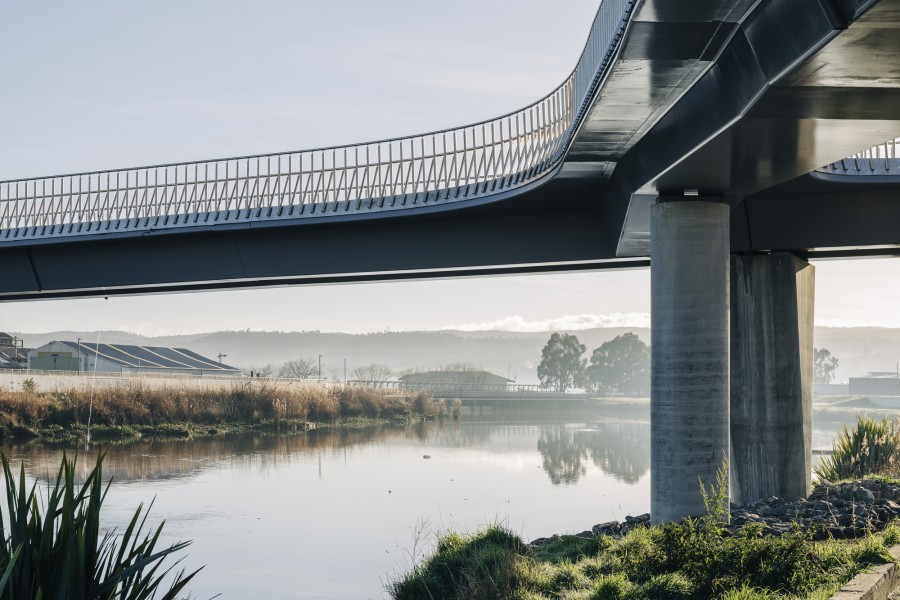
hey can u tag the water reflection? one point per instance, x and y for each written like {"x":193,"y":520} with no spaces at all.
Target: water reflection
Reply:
{"x":173,"y":459}
{"x":563,"y":454}
{"x":618,"y":449}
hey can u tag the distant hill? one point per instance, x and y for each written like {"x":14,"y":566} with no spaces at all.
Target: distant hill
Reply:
{"x":859,"y":349}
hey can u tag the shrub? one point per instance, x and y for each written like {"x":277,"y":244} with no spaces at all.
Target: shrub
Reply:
{"x":869,"y":448}
{"x":422,"y":404}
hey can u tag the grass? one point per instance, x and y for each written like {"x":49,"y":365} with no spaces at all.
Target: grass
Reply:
{"x":128,"y":411}
{"x":55,"y":548}
{"x":868,"y":448}
{"x":690,"y":560}
{"x":680,"y":561}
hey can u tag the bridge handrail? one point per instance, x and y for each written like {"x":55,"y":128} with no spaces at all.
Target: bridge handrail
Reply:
{"x":881,"y":159}
{"x":463,"y":163}
{"x":446,"y":386}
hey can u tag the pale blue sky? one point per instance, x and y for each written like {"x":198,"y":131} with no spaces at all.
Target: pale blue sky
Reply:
{"x":102,"y":84}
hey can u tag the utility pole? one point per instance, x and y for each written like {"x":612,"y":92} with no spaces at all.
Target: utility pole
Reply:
{"x":320,"y":369}
{"x":221,"y":356}
{"x":345,"y":371}
{"x":79,"y":355}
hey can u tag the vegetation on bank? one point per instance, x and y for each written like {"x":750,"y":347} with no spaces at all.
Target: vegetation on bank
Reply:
{"x":54,"y":548}
{"x":690,"y":560}
{"x":135,"y":410}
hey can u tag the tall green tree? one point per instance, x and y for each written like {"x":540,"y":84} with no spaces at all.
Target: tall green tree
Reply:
{"x":824,"y":365}
{"x":622,"y":363}
{"x":561,"y":364}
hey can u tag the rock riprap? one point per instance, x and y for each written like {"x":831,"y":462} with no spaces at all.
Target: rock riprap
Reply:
{"x":841,"y":511}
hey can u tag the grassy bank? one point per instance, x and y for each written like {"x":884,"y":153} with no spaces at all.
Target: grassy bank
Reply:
{"x":130,"y":411}
{"x":689,"y":560}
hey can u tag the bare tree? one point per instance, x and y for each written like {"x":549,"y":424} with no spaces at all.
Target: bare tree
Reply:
{"x":302,"y":368}
{"x":373,"y":372}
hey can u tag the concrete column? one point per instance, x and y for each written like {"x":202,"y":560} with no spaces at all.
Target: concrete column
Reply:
{"x":772,"y":301}
{"x":689,"y":422}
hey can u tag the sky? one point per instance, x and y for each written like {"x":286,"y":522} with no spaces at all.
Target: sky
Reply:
{"x":105,"y":84}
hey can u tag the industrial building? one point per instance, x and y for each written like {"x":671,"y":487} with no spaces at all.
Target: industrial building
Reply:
{"x":455,"y":377}
{"x":13,"y":355}
{"x":876,"y":383}
{"x":125,"y":359}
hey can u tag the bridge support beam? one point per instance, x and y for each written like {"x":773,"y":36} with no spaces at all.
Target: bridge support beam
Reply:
{"x":772,"y":301}
{"x":689,"y":404}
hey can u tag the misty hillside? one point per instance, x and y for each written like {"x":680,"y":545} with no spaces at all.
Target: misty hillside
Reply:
{"x":859,"y":349}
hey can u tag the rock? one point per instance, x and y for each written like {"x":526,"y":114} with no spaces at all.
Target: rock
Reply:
{"x":864,"y":495}
{"x":604,"y":527}
{"x":839,"y":511}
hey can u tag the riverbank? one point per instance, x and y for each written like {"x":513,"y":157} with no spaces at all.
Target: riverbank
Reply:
{"x":770,"y":549}
{"x":133,"y":411}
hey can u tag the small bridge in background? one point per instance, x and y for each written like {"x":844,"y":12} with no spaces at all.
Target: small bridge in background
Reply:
{"x":483,"y":392}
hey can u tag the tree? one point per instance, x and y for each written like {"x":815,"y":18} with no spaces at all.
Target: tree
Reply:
{"x":373,"y":372}
{"x":302,"y":368}
{"x":824,"y":365}
{"x":622,"y":363}
{"x":561,"y":364}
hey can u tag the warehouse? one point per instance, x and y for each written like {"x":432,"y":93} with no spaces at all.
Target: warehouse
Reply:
{"x":125,"y":359}
{"x":455,"y":377}
{"x":13,"y":355}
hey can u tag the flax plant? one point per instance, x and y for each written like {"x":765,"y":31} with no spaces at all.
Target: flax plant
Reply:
{"x":869,"y":448}
{"x":55,"y":548}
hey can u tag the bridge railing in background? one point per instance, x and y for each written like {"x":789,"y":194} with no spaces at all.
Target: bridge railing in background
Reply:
{"x":883,"y":159}
{"x":456,"y":164}
{"x":452,"y":388}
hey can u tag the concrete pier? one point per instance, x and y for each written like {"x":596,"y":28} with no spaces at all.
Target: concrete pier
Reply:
{"x":772,"y":302}
{"x":690,"y":352}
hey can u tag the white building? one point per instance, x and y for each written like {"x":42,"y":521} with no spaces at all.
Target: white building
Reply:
{"x":126,"y":359}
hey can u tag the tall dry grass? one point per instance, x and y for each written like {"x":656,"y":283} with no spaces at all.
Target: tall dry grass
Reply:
{"x":245,"y":402}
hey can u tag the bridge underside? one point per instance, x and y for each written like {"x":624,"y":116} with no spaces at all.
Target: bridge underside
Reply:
{"x":710,"y":100}
{"x":556,"y":228}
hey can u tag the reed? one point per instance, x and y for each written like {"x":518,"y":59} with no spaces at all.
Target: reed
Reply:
{"x":244,"y":402}
{"x":57,"y":550}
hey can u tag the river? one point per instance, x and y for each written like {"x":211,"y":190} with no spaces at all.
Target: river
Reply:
{"x":335,"y":513}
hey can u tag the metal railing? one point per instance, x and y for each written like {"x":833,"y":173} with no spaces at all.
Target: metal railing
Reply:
{"x":443,"y":387}
{"x":456,"y":164}
{"x":883,"y":159}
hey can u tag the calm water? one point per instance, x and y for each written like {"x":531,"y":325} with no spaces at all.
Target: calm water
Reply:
{"x":334,"y":514}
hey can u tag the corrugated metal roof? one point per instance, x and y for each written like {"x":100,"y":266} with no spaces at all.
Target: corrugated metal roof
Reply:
{"x":8,"y":358}
{"x":152,"y":357}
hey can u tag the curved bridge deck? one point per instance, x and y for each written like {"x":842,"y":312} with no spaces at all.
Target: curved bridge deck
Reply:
{"x":718,"y":98}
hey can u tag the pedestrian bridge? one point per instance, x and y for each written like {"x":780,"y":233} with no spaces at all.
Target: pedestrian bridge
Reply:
{"x":715,"y":98}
